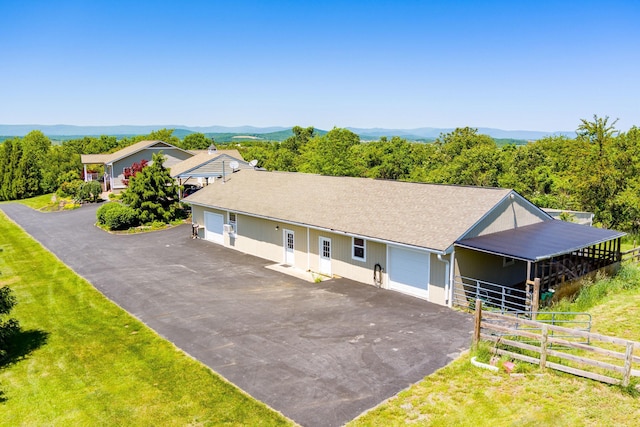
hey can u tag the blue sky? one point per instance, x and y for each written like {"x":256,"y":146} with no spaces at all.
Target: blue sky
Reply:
{"x":516,"y":65}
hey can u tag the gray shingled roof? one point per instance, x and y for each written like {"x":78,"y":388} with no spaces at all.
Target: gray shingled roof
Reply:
{"x":204,"y":158}
{"x":425,"y":215}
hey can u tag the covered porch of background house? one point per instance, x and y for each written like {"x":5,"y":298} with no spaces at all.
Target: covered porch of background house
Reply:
{"x":110,"y":181}
{"x":89,"y":162}
{"x":526,"y":267}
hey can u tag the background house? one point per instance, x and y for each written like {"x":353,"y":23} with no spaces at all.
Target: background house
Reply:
{"x":115,"y":163}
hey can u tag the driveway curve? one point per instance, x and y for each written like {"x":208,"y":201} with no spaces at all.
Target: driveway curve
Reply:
{"x":319,"y":353}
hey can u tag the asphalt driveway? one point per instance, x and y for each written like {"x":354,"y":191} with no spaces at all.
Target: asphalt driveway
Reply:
{"x":319,"y":353}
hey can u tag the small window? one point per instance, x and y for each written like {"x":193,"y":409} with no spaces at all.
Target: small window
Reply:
{"x":232,"y":221}
{"x":359,"y":249}
{"x":507,"y":261}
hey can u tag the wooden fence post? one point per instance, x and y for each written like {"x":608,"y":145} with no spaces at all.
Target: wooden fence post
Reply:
{"x":478,"y":320}
{"x":543,"y":346}
{"x":628,"y":358}
{"x":535,"y":303}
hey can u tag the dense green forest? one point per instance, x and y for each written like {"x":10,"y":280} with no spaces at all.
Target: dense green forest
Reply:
{"x":597,"y":171}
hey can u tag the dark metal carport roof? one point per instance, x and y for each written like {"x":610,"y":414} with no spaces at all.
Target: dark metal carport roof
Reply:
{"x":540,"y":241}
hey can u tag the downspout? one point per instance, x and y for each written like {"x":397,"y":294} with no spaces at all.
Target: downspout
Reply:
{"x":452,"y":275}
{"x":308,"y":251}
{"x":447,"y":283}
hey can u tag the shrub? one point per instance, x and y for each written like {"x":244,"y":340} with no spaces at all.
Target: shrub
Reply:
{"x":116,"y":216}
{"x":70,"y":188}
{"x":81,"y":191}
{"x":8,"y":327}
{"x":102,"y":210}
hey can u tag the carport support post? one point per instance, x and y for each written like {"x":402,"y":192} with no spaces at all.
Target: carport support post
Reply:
{"x":535,"y":300}
{"x":478,"y":320}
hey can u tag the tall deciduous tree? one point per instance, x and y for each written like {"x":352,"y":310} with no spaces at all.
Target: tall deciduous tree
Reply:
{"x":330,"y":154}
{"x":299,"y":138}
{"x":165,"y":135}
{"x":598,"y":132}
{"x":196,"y":141}
{"x":597,"y":181}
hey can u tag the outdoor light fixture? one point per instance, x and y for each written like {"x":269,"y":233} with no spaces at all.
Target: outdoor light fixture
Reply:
{"x":277,"y":227}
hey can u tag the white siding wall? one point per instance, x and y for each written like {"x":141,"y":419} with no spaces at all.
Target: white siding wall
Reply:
{"x":259,"y":237}
{"x":342,"y":264}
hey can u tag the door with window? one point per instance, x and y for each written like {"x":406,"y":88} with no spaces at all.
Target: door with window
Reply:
{"x":324,"y":266}
{"x":289,"y":248}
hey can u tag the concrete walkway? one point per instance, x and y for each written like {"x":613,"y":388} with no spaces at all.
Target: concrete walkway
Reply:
{"x":321,"y":353}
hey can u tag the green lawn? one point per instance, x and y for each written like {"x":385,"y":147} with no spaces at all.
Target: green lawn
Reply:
{"x":81,"y":360}
{"x":47,"y":202}
{"x":463,"y":395}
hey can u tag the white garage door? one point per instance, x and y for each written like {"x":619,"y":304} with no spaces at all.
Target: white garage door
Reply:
{"x":213,"y":227}
{"x":409,"y":271}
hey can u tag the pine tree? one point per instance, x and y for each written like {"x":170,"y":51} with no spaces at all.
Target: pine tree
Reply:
{"x":152,"y":193}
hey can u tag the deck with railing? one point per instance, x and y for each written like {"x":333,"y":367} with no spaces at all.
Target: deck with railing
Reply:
{"x":502,"y":298}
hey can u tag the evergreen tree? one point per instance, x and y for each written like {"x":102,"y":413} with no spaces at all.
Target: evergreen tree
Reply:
{"x":8,"y":326}
{"x":152,"y":193}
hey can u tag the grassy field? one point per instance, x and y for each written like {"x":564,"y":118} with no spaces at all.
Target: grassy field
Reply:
{"x":463,"y":395}
{"x":81,"y":360}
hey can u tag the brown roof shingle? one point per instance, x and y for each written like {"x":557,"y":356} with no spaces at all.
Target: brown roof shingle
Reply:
{"x":126,"y":151}
{"x":425,"y":215}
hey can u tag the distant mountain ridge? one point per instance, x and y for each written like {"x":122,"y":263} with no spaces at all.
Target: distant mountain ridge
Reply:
{"x":21,"y":130}
{"x":365,"y":133}
{"x":432,"y":133}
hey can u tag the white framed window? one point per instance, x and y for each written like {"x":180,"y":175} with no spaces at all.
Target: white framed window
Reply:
{"x":359,"y":249}
{"x":507,"y":261}
{"x":233,"y":221}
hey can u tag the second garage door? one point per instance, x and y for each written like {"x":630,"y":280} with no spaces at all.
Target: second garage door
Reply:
{"x":409,"y":271}
{"x":213,"y":227}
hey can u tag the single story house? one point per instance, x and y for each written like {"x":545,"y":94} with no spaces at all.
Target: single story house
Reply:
{"x":116,"y":163}
{"x":447,"y":244}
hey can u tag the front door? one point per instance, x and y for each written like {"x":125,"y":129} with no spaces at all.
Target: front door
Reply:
{"x":324,"y":266}
{"x":289,"y":254}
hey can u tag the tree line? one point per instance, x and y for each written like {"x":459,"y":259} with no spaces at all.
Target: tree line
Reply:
{"x":596,"y":171}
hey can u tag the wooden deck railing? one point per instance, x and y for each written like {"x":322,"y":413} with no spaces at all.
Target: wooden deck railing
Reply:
{"x":568,"y":352}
